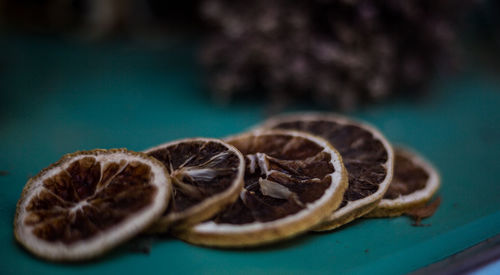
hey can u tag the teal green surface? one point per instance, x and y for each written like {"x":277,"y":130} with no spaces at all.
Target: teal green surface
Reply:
{"x":58,"y":97}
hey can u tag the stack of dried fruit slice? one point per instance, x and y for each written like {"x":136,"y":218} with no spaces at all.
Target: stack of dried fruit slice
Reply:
{"x":292,"y":181}
{"x":367,"y":156}
{"x":291,"y":174}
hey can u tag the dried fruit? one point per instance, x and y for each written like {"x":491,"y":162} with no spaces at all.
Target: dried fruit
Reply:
{"x":367,"y":156}
{"x":414,"y":183}
{"x":88,"y":202}
{"x":207,"y":175}
{"x":292,"y":181}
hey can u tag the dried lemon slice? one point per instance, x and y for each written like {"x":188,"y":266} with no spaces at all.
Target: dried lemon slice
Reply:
{"x":207,"y":175}
{"x":88,"y":202}
{"x":414,"y":183}
{"x":367,"y":156}
{"x":292,"y":181}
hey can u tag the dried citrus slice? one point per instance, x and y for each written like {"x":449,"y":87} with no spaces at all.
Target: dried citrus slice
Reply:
{"x":367,"y":156}
{"x":414,"y":182}
{"x":88,"y":202}
{"x":207,"y":175}
{"x":292,"y":181}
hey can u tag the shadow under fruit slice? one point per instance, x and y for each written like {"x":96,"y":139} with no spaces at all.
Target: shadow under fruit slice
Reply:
{"x":292,"y":181}
{"x":207,"y":175}
{"x":414,"y":183}
{"x":88,"y":202}
{"x":367,"y":156}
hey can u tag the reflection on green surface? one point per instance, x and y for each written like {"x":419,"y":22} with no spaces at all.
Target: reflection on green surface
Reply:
{"x":58,"y":97}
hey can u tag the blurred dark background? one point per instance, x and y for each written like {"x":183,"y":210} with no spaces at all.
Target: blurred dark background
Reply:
{"x":336,"y":55}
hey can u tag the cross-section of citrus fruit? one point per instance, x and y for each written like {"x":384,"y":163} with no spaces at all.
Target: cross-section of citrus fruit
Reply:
{"x":414,"y":183}
{"x":207,"y":175}
{"x":292,"y":181}
{"x":366,"y":154}
{"x":88,"y":202}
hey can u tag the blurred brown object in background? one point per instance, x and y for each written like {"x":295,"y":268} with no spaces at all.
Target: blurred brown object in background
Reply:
{"x":333,"y":53}
{"x":336,"y":53}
